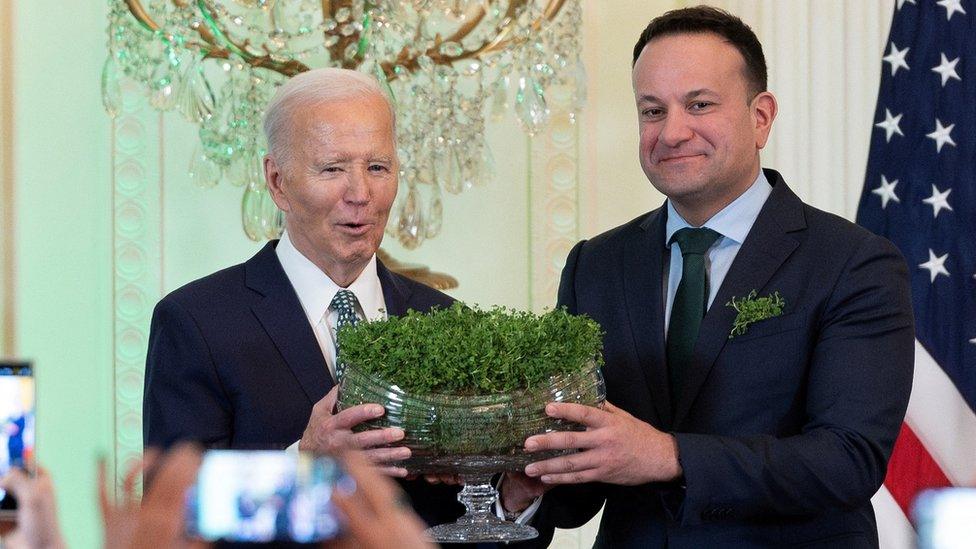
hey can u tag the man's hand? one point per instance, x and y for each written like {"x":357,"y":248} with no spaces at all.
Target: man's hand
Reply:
{"x":158,"y":520}
{"x":518,"y":491}
{"x":377,"y":514}
{"x":616,"y":448}
{"x":37,"y":518}
{"x":329,"y":433}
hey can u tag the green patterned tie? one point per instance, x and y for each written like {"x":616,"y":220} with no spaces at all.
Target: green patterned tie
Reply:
{"x":344,"y":304}
{"x":689,"y":304}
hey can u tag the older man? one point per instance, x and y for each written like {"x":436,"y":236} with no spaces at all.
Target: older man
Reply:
{"x":758,"y":350}
{"x":245,"y":357}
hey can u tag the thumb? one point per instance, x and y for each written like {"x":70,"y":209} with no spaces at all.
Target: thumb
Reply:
{"x":331,"y":399}
{"x":15,"y":482}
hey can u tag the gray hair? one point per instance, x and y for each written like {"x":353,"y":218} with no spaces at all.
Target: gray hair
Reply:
{"x":310,"y":88}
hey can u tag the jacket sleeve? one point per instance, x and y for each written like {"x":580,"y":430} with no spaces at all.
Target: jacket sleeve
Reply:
{"x":183,"y":398}
{"x":858,"y":382}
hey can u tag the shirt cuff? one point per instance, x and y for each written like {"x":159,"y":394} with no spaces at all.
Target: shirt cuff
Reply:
{"x":525,"y":516}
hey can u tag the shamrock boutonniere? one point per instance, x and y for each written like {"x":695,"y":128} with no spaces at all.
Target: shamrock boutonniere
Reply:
{"x":753,"y":309}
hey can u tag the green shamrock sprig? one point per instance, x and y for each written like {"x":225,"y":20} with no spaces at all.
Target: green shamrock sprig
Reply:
{"x":752,"y":309}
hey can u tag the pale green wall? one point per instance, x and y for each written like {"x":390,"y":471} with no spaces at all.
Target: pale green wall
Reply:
{"x":63,"y":237}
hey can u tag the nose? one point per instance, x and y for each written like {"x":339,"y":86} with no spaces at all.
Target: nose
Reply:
{"x":357,"y":188}
{"x":676,"y":129}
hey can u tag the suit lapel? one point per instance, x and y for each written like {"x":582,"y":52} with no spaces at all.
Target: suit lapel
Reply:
{"x":765,"y":249}
{"x":395,"y":293}
{"x":643,"y":268}
{"x":283,"y":318}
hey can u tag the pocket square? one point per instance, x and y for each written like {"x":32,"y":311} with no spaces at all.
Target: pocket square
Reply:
{"x":751,"y":309}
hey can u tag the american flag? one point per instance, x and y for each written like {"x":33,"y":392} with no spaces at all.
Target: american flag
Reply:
{"x":920,"y":192}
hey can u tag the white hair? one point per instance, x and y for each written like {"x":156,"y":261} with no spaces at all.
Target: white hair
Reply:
{"x":310,"y":88}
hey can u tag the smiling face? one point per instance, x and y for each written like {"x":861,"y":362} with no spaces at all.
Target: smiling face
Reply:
{"x":700,"y":129}
{"x":337,"y":185}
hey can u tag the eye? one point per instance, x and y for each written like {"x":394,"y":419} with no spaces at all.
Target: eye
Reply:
{"x":652,"y":112}
{"x":700,"y":105}
{"x":379,"y":168}
{"x":331,"y":169}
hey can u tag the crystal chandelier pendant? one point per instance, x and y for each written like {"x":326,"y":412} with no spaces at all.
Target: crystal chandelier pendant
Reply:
{"x":448,"y":65}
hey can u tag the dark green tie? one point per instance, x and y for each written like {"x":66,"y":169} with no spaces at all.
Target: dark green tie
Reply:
{"x":689,"y":304}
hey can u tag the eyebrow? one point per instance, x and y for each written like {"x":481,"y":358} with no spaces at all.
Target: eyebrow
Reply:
{"x":693,"y":94}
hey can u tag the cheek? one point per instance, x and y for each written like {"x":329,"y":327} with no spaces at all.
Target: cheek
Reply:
{"x":647,"y":141}
{"x":385,"y":195}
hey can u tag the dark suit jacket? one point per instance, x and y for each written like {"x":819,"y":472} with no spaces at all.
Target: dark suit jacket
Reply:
{"x":233,"y":363}
{"x":783,"y":433}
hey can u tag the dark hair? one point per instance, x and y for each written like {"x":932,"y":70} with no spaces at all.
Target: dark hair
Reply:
{"x":706,"y":19}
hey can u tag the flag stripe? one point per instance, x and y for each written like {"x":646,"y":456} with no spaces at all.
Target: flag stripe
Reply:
{"x":942,"y":420}
{"x":911,"y":470}
{"x":894,"y":530}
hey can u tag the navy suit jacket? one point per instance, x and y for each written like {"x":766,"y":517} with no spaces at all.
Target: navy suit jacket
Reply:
{"x":784,"y":432}
{"x":234,"y":363}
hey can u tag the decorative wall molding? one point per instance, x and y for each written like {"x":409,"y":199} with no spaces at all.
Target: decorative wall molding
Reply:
{"x":553,"y":200}
{"x":136,"y":261}
{"x":7,"y":210}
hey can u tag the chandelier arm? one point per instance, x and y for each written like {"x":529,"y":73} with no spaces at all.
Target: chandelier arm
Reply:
{"x":337,"y":50}
{"x":220,"y":40}
{"x":411,"y":61}
{"x":500,"y":41}
{"x":472,"y":23}
{"x":141,"y":15}
{"x":211,"y":37}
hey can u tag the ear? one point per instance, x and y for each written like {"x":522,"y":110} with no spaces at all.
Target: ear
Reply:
{"x":764,"y":112}
{"x":274,"y":179}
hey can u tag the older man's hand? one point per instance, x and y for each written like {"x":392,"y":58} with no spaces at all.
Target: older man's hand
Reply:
{"x":616,"y":448}
{"x":331,"y":433}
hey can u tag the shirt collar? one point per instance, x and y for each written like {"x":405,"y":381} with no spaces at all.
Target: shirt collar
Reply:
{"x":315,"y":289}
{"x":733,"y":221}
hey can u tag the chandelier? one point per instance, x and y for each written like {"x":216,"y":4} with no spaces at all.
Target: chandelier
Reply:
{"x":447,"y":64}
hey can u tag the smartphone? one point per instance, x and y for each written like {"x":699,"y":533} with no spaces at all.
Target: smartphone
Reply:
{"x":265,"y":496}
{"x":945,"y":518}
{"x":16,"y":423}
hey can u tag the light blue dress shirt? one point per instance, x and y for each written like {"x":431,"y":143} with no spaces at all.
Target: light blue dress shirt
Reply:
{"x":733,"y":222}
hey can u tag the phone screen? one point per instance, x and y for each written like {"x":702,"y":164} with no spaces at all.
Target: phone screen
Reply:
{"x":260,"y":496}
{"x":945,"y":518}
{"x":16,"y":421}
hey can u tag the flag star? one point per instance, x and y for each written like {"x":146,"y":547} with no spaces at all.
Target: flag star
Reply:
{"x":939,"y":201}
{"x":951,"y":7}
{"x":941,"y":135}
{"x":890,"y":125}
{"x":903,"y":2}
{"x":897,"y":58}
{"x":947,"y":69}
{"x":935,"y":265}
{"x":886,"y":191}
{"x":973,"y":341}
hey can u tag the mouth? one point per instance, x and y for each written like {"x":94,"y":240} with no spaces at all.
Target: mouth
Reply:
{"x":355,"y":228}
{"x":678,"y":158}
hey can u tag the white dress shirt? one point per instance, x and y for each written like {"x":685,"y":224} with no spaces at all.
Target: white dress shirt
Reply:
{"x":733,"y":222}
{"x":315,"y":292}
